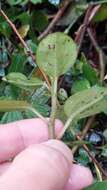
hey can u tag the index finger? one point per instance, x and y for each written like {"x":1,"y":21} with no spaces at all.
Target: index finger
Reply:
{"x":16,"y":136}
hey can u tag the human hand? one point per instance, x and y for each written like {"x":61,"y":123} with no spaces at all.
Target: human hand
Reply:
{"x":38,"y":163}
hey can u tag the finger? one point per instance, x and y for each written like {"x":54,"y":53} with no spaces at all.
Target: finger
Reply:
{"x":84,"y":180}
{"x":42,"y":167}
{"x":78,"y":173}
{"x":80,"y":178}
{"x":4,"y":167}
{"x":15,"y":137}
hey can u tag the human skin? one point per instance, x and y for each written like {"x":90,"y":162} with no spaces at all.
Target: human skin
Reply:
{"x":38,"y":163}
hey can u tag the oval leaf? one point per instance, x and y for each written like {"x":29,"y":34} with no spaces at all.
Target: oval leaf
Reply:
{"x":13,"y":105}
{"x":20,"y":80}
{"x":56,"y":54}
{"x":86,"y":102}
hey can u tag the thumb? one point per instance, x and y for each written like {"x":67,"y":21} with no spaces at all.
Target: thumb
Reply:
{"x":43,"y":167}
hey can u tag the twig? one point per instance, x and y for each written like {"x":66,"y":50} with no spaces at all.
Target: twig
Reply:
{"x":100,"y":54}
{"x":81,"y":33}
{"x":29,"y":52}
{"x":91,"y":11}
{"x":55,"y":19}
{"x":92,"y":157}
{"x":98,"y":172}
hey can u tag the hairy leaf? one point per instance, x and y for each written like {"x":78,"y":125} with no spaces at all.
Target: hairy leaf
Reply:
{"x":56,"y":54}
{"x":86,"y":102}
{"x":20,"y":80}
{"x":13,"y":105}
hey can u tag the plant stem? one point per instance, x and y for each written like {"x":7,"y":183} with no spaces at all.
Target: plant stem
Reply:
{"x":55,"y":19}
{"x":24,"y":44}
{"x":37,"y":113}
{"x":98,"y":172}
{"x":100,"y":54}
{"x":51,"y":125}
{"x":84,"y":132}
{"x":71,"y":118}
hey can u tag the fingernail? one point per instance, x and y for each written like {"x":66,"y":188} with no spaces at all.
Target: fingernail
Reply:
{"x":61,"y":147}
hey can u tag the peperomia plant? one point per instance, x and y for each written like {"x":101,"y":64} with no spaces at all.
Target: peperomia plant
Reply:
{"x":56,"y":54}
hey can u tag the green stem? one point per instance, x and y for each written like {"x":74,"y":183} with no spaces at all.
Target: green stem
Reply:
{"x":71,"y":118}
{"x":98,"y":172}
{"x":38,"y":114}
{"x":51,"y":125}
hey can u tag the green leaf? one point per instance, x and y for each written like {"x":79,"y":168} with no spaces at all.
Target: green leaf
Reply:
{"x":98,"y":186}
{"x":83,"y":157}
{"x":12,"y":105}
{"x":101,"y":15}
{"x":86,"y":102}
{"x":56,"y":54}
{"x":17,"y":63}
{"x":89,"y":73}
{"x":36,"y":1}
{"x":80,"y":85}
{"x":21,"y":80}
{"x":39,"y":20}
{"x":11,"y":116}
{"x":42,"y":109}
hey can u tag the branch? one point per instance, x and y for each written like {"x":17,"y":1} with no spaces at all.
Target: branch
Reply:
{"x":100,"y":54}
{"x":55,"y":19}
{"x":92,"y":157}
{"x":91,"y":11}
{"x":29,"y":52}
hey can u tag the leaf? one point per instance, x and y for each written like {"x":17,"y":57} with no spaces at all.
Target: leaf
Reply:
{"x":17,"y":63}
{"x":56,"y":54}
{"x":98,"y":186}
{"x":23,"y":30}
{"x":12,"y":105}
{"x":101,"y":15}
{"x":42,"y":109}
{"x":89,"y":73}
{"x":86,"y":103}
{"x":21,"y":80}
{"x":11,"y":116}
{"x":36,"y":1}
{"x":83,"y":157}
{"x":80,"y":85}
{"x":32,"y":45}
{"x":39,"y":20}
